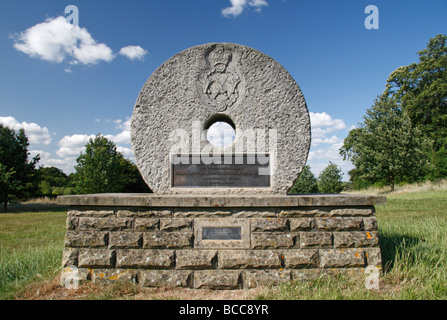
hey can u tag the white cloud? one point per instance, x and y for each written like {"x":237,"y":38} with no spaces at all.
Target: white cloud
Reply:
{"x":56,"y":40}
{"x":133,"y":52}
{"x":238,"y":6}
{"x":72,"y":146}
{"x":323,"y":123}
{"x":220,"y":134}
{"x":35,"y":133}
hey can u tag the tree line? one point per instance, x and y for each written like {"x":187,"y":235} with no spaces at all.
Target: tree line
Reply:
{"x":100,"y":168}
{"x":403,"y":138}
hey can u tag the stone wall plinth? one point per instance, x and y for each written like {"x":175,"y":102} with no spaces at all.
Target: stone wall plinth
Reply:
{"x":160,"y":241}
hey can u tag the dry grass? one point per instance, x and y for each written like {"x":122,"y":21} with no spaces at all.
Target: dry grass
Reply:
{"x":426,"y":186}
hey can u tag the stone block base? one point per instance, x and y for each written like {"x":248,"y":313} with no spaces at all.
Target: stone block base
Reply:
{"x":218,"y":242}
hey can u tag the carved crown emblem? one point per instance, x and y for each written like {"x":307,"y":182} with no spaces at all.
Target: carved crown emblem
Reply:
{"x":219,"y":56}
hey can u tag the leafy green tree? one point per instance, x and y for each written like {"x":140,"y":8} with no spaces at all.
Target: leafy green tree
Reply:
{"x":386,"y":148}
{"x":329,"y":180}
{"x":18,"y":178}
{"x":103,"y":169}
{"x":52,"y":181}
{"x":421,"y":88}
{"x":306,"y":182}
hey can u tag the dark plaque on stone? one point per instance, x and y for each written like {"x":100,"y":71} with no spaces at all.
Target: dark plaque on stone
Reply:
{"x":223,"y":171}
{"x":221,"y":233}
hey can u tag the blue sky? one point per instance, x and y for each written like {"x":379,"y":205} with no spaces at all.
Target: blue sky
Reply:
{"x":63,"y":93}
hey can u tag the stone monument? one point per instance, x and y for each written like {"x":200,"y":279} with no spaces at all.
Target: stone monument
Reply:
{"x":220,"y":216}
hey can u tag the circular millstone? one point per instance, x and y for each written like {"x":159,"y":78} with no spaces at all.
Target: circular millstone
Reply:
{"x":220,"y":82}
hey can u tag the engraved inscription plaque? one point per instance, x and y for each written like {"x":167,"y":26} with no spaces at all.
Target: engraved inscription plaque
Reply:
{"x":221,"y":233}
{"x":223,"y":171}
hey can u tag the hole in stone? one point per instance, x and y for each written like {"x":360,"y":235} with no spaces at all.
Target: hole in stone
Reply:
{"x":220,"y":131}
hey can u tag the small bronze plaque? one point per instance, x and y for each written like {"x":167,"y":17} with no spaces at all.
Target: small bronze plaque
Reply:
{"x":223,"y":171}
{"x":221,"y":233}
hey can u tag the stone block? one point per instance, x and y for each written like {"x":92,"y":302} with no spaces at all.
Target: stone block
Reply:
{"x":146,"y":224}
{"x":300,"y":258}
{"x":88,"y":212}
{"x":196,"y":259}
{"x":271,"y":240}
{"x":70,"y":257}
{"x":356,"y":239}
{"x":125,"y":239}
{"x":301,"y":224}
{"x":255,"y":278}
{"x":168,"y":240}
{"x":113,"y":275}
{"x":141,"y":258}
{"x":165,"y":278}
{"x":98,"y":258}
{"x":373,"y":257}
{"x":99,"y":224}
{"x":217,"y":279}
{"x":370,"y":224}
{"x":72,"y":223}
{"x":268,"y":224}
{"x":144,"y":213}
{"x":175,"y":224}
{"x":338,"y":223}
{"x":315,"y":239}
{"x":249,"y":259}
{"x":86,"y":239}
{"x":341,"y":258}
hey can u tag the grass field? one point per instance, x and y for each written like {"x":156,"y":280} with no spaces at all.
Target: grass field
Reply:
{"x":412,"y":232}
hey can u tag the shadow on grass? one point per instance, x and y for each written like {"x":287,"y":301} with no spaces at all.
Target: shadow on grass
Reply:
{"x":34,"y":207}
{"x":392,"y":246}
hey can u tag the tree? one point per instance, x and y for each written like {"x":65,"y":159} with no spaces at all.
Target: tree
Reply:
{"x":386,"y":148}
{"x":17,"y":173}
{"x":329,"y":180}
{"x":52,"y":181}
{"x":306,"y":182}
{"x":103,"y":169}
{"x":421,"y":88}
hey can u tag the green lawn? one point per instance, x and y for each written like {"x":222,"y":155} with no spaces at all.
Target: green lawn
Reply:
{"x":31,"y":245}
{"x":412,"y":231}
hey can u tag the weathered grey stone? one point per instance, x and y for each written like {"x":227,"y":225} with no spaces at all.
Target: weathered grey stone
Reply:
{"x":301,"y":224}
{"x":146,"y":224}
{"x":71,"y":223}
{"x":217,"y":279}
{"x":140,"y":212}
{"x":200,"y":213}
{"x":70,"y":257}
{"x":289,"y":203}
{"x":196,"y":259}
{"x":96,"y":258}
{"x":90,"y":212}
{"x":300,"y":258}
{"x":338,"y":223}
{"x":99,"y":224}
{"x":141,"y":258}
{"x":243,"y":259}
{"x":161,"y":239}
{"x":255,"y":278}
{"x":165,"y":278}
{"x":268,"y":224}
{"x":175,"y":224}
{"x":356,"y":239}
{"x":113,"y":275}
{"x":72,"y":276}
{"x":315,"y":239}
{"x":86,"y":238}
{"x":181,"y":85}
{"x":373,"y":257}
{"x":341,"y":258}
{"x":271,"y":240}
{"x":370,"y":224}
{"x":125,"y":239}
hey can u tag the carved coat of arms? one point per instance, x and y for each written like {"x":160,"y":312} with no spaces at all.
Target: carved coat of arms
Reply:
{"x":221,"y":83}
